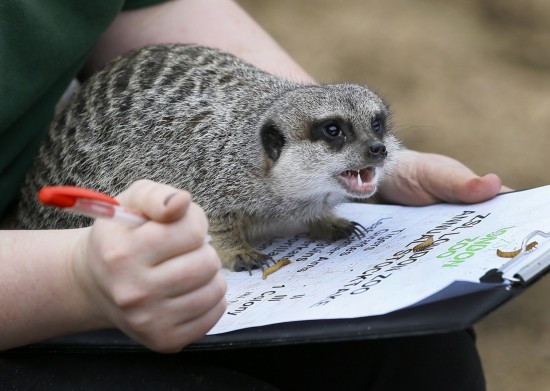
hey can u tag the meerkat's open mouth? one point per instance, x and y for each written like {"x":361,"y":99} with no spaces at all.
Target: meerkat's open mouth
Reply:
{"x":359,"y":181}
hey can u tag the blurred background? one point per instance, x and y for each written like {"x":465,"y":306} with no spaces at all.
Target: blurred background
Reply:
{"x":466,"y":78}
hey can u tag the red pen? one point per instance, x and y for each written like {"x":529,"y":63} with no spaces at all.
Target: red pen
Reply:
{"x":89,"y":203}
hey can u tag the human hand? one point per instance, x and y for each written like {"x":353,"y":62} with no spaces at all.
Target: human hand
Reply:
{"x":426,"y":178}
{"x":160,"y":283}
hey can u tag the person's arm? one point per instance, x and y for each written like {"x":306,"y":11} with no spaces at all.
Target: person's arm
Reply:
{"x":219,"y":24}
{"x":39,"y":297}
{"x":160,"y":283}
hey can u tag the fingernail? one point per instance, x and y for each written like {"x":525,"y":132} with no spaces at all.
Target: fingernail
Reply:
{"x":167,"y":199}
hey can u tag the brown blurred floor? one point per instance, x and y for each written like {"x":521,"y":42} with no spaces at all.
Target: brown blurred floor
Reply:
{"x":466,"y":78}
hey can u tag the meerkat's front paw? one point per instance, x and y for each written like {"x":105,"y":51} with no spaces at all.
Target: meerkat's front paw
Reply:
{"x":233,"y":249}
{"x":335,"y":228}
{"x":244,"y":260}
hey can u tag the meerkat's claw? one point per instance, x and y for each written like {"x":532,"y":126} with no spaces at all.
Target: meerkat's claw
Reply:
{"x":346,"y":229}
{"x":359,"y":230}
{"x":248,"y":260}
{"x":336,"y":228}
{"x":265,"y":265}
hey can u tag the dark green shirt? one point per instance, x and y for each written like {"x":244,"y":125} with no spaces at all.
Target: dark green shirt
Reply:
{"x":43,"y":45}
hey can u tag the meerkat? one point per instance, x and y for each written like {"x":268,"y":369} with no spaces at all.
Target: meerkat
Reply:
{"x":253,"y":149}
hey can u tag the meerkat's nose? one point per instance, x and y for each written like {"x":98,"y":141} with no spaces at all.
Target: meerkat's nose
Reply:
{"x":377,"y":150}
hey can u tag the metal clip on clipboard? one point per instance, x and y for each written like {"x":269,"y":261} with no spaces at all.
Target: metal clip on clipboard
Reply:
{"x":521,"y":269}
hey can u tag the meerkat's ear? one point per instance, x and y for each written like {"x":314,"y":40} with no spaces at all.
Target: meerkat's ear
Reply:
{"x":273,"y":140}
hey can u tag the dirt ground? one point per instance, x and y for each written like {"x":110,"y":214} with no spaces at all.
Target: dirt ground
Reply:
{"x":465,"y":78}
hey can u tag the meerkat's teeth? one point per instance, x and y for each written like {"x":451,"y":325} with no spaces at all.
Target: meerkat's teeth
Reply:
{"x":359,"y":181}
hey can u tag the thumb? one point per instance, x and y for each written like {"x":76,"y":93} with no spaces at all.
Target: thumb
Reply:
{"x":475,"y":189}
{"x":449,"y":180}
{"x":159,"y":202}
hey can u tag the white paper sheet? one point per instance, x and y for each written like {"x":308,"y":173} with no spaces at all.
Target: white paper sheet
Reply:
{"x":380,"y":273}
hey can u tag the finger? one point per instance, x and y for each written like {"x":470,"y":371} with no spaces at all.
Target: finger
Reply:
{"x":186,"y":273}
{"x":405,"y":191}
{"x":477,"y":189}
{"x":152,"y":320}
{"x":186,"y":318}
{"x":159,"y":202}
{"x":196,"y":303}
{"x":199,"y":326}
{"x":160,"y":242}
{"x":449,"y":180}
{"x":188,"y":331}
{"x":412,"y":179}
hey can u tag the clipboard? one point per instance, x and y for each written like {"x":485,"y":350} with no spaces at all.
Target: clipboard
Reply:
{"x":456,"y":306}
{"x":445,"y":311}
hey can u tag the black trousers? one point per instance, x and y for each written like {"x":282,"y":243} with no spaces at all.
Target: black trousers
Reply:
{"x":436,"y":362}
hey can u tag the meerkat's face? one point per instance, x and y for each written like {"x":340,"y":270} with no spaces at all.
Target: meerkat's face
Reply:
{"x":336,"y":144}
{"x":357,"y":151}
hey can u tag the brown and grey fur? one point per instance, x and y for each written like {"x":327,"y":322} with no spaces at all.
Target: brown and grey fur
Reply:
{"x":251,"y":147}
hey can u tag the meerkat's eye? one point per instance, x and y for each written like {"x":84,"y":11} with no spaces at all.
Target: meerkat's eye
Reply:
{"x":377,"y":125}
{"x":333,"y":130}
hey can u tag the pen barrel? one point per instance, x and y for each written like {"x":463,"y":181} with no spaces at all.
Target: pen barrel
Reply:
{"x":127,"y":217}
{"x":98,"y":209}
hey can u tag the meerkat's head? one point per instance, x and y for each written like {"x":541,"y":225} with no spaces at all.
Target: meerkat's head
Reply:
{"x":330,"y":141}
